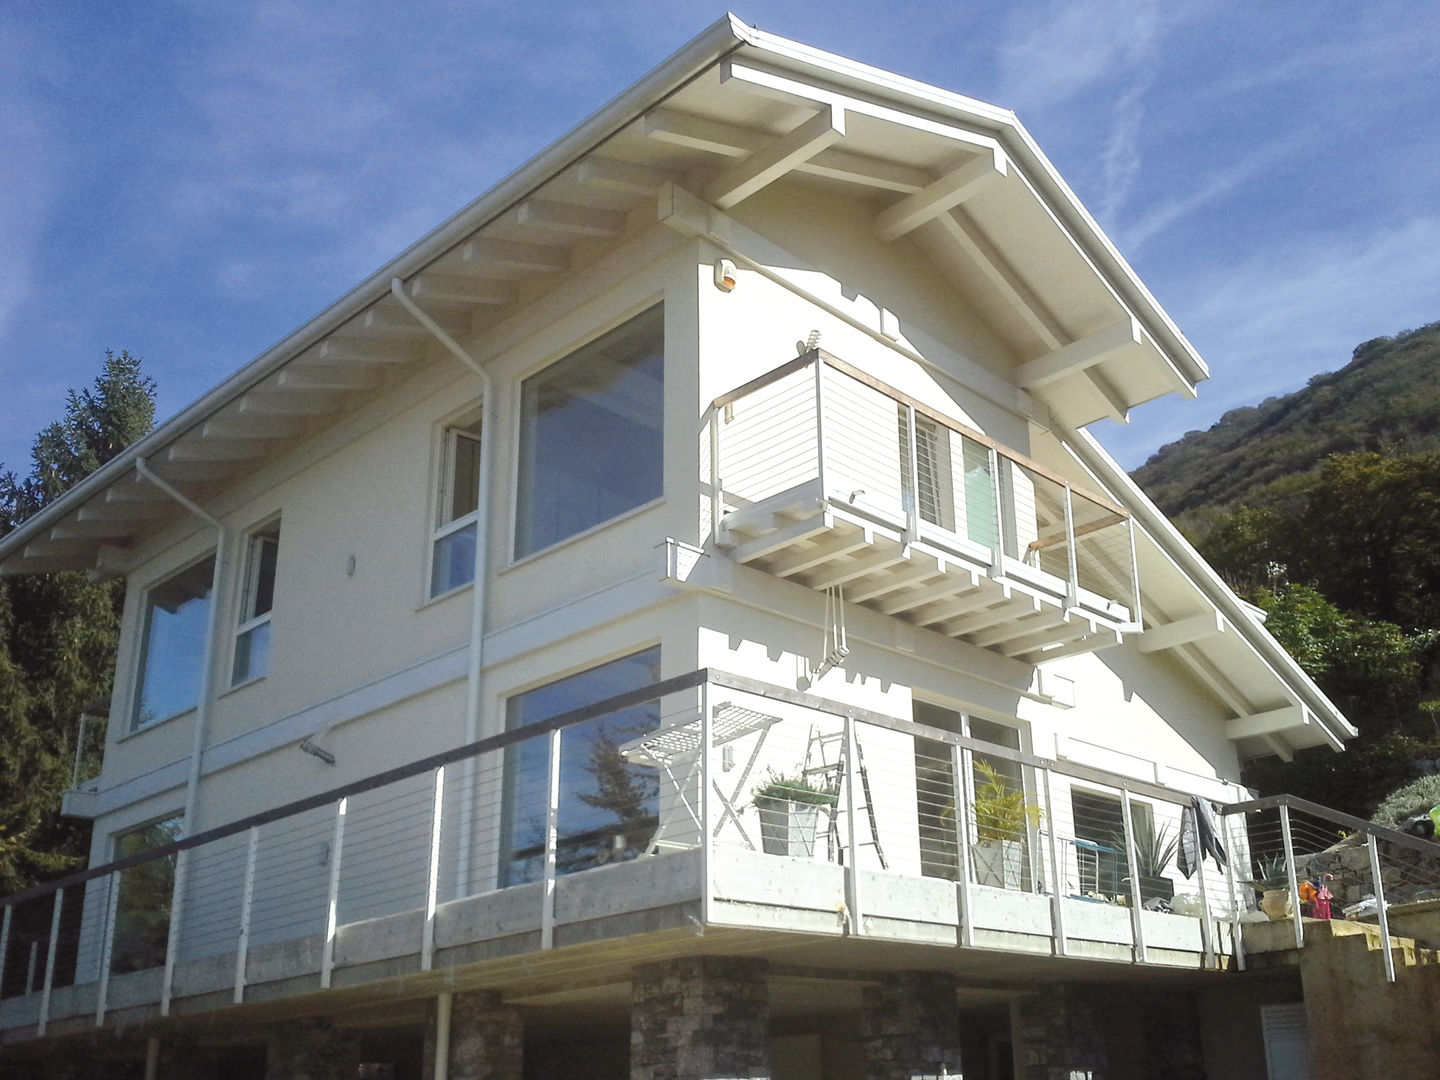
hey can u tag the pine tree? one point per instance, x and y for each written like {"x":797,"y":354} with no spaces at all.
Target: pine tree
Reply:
{"x":58,"y":632}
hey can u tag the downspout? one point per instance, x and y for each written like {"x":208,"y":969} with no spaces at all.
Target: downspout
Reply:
{"x":480,"y":587}
{"x":202,"y":709}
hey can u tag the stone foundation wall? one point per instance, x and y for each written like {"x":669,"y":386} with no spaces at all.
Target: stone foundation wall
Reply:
{"x":700,"y":1018}
{"x":911,"y":1028}
{"x":1062,"y":1037}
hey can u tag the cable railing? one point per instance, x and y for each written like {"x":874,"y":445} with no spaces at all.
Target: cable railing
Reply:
{"x":820,"y":432}
{"x":781,"y":809}
{"x":1299,"y":861}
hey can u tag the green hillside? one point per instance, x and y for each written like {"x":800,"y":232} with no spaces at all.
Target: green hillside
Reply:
{"x":1387,"y":399}
{"x":1323,"y":507}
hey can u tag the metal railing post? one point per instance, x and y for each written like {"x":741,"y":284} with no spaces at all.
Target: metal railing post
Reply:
{"x":852,"y":866}
{"x":50,"y":950}
{"x":247,"y":903}
{"x":1136,"y":612}
{"x":1291,"y":882}
{"x":965,"y":791}
{"x":1237,"y":935}
{"x":1073,"y":587}
{"x":996,"y":493}
{"x":107,"y":945}
{"x":910,"y":498}
{"x":1137,"y":926}
{"x":332,"y":908}
{"x":5,"y":947}
{"x":172,"y":936}
{"x":717,"y":498}
{"x":820,"y":424}
{"x":432,"y":879}
{"x":1057,"y":880}
{"x":707,"y":842}
{"x":552,"y":842}
{"x":1206,"y":933}
{"x":1372,"y":842}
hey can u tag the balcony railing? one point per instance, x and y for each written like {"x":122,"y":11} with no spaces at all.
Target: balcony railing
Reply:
{"x":706,"y":799}
{"x":823,"y":474}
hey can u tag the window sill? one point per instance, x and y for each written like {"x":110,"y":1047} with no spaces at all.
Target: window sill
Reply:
{"x":135,"y":732}
{"x":608,"y":523}
{"x":446,"y":595}
{"x":241,"y":685}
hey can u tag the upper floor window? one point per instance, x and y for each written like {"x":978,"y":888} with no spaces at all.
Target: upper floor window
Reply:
{"x":591,"y":436}
{"x":452,"y":544}
{"x":252,"y":637}
{"x":172,"y":644}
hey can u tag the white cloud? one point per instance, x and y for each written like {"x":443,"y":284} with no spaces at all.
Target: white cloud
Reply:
{"x":1068,"y":47}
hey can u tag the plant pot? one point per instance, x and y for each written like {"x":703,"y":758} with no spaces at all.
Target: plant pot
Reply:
{"x":788,"y":827}
{"x":1152,"y":888}
{"x":998,"y":863}
{"x":1276,"y":904}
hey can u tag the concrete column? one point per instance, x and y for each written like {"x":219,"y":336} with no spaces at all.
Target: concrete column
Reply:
{"x":487,"y":1038}
{"x":1061,"y":1036}
{"x":311,"y":1050}
{"x":910,"y":1027}
{"x":700,"y":1018}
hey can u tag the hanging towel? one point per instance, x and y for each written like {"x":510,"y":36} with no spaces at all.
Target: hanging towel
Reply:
{"x":1199,"y":836}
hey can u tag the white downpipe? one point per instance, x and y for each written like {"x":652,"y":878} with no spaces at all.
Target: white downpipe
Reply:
{"x":442,"y":1034}
{"x":479,"y":593}
{"x":202,"y":710}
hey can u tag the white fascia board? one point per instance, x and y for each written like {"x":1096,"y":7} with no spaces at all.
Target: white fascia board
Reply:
{"x":703,"y":52}
{"x":1017,"y":142}
{"x":1236,"y":612}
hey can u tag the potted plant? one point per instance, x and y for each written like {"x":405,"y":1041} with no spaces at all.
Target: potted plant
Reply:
{"x":1003,"y":814}
{"x":1154,"y":851}
{"x":789,"y":807}
{"x":1273,"y":885}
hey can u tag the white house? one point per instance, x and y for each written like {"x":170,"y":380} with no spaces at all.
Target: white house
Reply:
{"x":737,"y":439}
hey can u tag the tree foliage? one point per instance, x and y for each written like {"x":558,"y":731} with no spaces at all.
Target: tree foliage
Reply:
{"x":58,"y":631}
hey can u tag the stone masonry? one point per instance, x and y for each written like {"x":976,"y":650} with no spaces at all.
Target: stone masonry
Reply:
{"x":311,"y":1050}
{"x":487,"y":1038}
{"x":911,"y":1028}
{"x":700,"y":1018}
{"x":1062,"y":1036}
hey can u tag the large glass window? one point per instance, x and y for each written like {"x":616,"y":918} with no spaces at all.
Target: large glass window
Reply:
{"x":591,"y":440}
{"x":142,"y":908}
{"x":252,"y":637}
{"x":172,"y":644}
{"x":608,"y":807}
{"x":452,"y":562}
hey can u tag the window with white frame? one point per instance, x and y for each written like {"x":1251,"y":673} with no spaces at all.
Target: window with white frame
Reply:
{"x":591,"y":434}
{"x":142,"y":903}
{"x":452,"y":544}
{"x":172,"y":645}
{"x":252,"y":636}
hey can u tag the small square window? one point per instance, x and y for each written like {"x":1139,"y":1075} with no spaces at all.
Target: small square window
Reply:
{"x":252,"y":636}
{"x":452,"y":559}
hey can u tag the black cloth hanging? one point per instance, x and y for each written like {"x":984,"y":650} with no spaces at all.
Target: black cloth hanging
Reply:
{"x":1199,"y":836}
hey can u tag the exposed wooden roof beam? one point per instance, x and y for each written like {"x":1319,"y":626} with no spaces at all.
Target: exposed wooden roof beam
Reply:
{"x":361,"y":351}
{"x":99,"y":529}
{"x":1181,"y":632}
{"x":1006,"y":611}
{"x":1082,"y":354}
{"x":1270,"y":722}
{"x":484,"y":257}
{"x":622,"y":176}
{"x":944,"y":194}
{"x":383,"y":321}
{"x":888,"y":583}
{"x":327,"y":377}
{"x":729,"y":140}
{"x":828,"y":549}
{"x":839,"y":575}
{"x":263,"y":402}
{"x":1025,"y":627}
{"x":442,"y":289}
{"x":216,"y":450}
{"x":962,"y":605}
{"x":779,"y":157}
{"x":957,"y":579}
{"x":961,"y":230}
{"x":1115,"y":403}
{"x":567,"y":218}
{"x":226,"y":426}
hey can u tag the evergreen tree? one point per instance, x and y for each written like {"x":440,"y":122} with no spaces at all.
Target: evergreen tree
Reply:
{"x":58,"y":632}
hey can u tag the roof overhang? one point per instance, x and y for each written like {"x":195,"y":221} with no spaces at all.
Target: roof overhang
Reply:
{"x":732,"y":112}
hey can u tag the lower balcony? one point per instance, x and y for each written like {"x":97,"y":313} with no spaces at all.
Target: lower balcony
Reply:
{"x":705,"y":807}
{"x":824,"y":475}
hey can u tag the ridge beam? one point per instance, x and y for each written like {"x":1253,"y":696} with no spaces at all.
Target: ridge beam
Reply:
{"x":1270,"y":722}
{"x":1181,"y":632}
{"x":944,"y":194}
{"x":778,"y":158}
{"x":1082,"y":354}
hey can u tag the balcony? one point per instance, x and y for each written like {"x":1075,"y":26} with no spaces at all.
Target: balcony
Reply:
{"x":824,"y":475}
{"x":632,"y":825}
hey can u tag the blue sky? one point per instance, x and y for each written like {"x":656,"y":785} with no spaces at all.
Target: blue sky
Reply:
{"x":192,"y":180}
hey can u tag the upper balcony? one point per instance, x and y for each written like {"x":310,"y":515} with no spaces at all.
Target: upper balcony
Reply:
{"x":825,"y":475}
